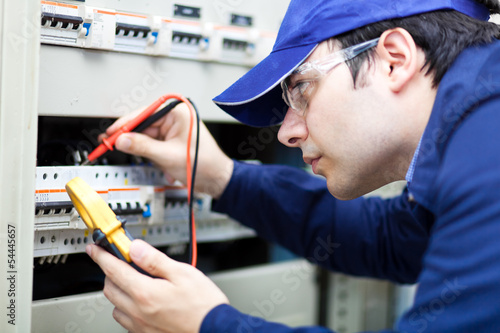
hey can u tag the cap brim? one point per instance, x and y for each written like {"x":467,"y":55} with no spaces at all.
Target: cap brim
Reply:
{"x":255,"y":99}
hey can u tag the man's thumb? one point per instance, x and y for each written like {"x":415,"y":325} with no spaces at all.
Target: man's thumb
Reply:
{"x":151,"y":260}
{"x":136,"y":144}
{"x":123,"y":143}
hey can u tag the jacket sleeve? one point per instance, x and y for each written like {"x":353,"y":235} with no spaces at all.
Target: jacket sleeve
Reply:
{"x":363,"y":237}
{"x":226,"y":319}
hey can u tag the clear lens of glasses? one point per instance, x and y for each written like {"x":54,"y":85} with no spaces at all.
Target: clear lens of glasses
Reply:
{"x":296,"y":95}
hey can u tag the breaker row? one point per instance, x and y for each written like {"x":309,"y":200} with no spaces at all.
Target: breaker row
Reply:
{"x":185,"y":34}
{"x":155,"y":210}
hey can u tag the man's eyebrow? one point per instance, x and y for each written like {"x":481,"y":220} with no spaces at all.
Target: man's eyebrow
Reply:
{"x":295,"y":77}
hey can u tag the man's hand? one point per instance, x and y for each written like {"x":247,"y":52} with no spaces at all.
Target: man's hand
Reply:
{"x":165,"y":144}
{"x":177,"y":301}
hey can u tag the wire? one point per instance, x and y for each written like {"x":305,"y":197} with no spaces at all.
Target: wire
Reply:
{"x":193,"y":250}
{"x":190,"y":175}
{"x":155,"y":116}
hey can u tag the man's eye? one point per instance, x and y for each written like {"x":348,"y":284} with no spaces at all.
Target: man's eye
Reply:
{"x":302,"y":86}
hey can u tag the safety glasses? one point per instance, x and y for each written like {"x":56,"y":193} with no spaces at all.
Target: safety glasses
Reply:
{"x":299,"y":86}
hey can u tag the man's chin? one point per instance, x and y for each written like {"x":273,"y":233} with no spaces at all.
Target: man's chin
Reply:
{"x":343,"y":192}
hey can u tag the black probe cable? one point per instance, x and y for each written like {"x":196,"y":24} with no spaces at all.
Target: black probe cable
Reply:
{"x":193,"y":176}
{"x":150,"y":121}
{"x":155,"y":116}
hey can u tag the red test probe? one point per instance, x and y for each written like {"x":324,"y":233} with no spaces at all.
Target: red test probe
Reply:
{"x":108,"y":143}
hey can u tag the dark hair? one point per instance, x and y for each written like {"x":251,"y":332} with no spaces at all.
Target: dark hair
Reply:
{"x":442,"y":35}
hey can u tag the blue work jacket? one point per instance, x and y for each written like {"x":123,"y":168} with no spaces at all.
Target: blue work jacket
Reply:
{"x":442,"y":232}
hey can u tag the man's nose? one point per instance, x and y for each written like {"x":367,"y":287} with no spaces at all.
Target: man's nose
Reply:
{"x":293,"y":130}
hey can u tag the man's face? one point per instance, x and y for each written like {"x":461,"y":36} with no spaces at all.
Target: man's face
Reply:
{"x":353,"y":137}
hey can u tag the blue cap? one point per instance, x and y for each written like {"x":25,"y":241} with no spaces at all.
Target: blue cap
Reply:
{"x":255,"y":99}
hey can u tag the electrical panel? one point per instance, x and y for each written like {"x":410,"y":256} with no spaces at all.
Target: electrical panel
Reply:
{"x":156,"y":43}
{"x":211,"y":31}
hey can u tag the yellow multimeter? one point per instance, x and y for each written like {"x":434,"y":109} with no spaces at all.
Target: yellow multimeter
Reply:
{"x":108,"y":230}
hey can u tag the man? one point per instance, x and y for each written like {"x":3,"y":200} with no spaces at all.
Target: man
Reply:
{"x":377,"y":91}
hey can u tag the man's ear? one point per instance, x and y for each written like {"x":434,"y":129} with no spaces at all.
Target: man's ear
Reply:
{"x":397,"y":53}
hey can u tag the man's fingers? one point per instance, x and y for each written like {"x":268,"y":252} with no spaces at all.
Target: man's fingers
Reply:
{"x":108,"y":262}
{"x":166,"y":155}
{"x":126,"y":308}
{"x":117,"y":296}
{"x":123,"y":319}
{"x":153,"y":261}
{"x":139,"y":144}
{"x":126,"y":118}
{"x":118,"y":271}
